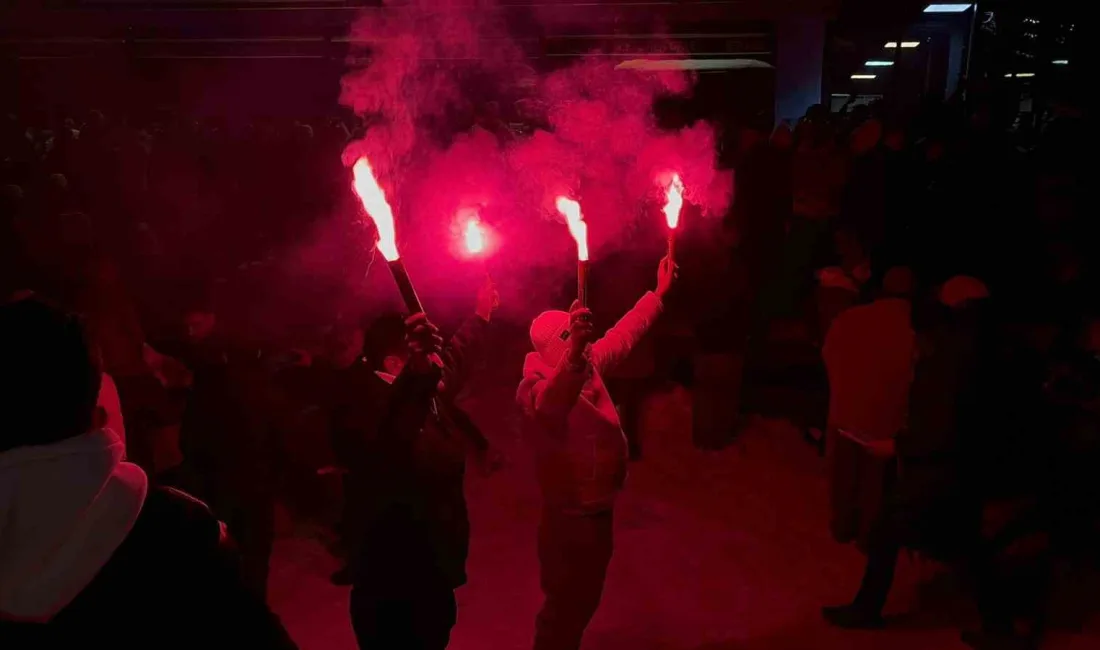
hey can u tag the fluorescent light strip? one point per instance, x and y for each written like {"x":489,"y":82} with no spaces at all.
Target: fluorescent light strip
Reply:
{"x":891,"y":45}
{"x":1060,"y":61}
{"x":692,"y":64}
{"x":873,"y":63}
{"x":950,"y":8}
{"x":863,"y":76}
{"x":1024,"y":75}
{"x":910,"y":44}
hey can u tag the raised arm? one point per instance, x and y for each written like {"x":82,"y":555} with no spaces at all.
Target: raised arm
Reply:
{"x":461,"y":352}
{"x":617,"y":343}
{"x":553,"y":392}
{"x":413,"y":389}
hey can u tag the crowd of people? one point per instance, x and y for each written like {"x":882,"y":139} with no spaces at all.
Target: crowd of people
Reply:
{"x":936,"y":269}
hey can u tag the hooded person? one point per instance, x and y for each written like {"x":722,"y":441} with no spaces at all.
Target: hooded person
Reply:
{"x":403,"y":441}
{"x":580,"y":453}
{"x":934,"y":504}
{"x":83,"y":536}
{"x":868,"y":356}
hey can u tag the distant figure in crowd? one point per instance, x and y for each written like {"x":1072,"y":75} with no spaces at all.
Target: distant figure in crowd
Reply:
{"x":581,"y":455}
{"x":90,"y":554}
{"x":115,"y":327}
{"x":934,"y":505}
{"x":404,"y":443}
{"x":839,"y":286}
{"x":868,"y":355}
{"x":229,"y":438}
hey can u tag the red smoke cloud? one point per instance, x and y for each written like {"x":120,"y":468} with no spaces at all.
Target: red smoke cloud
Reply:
{"x":441,"y":87}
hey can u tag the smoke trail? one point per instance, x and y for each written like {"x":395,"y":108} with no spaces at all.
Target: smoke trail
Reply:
{"x":440,"y":86}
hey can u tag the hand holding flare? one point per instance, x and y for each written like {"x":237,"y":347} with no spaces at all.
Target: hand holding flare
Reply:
{"x":571,"y":210}
{"x":673,"y":205}
{"x":378,"y":209}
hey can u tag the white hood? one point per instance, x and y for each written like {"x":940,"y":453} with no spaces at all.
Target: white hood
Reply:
{"x":64,"y":509}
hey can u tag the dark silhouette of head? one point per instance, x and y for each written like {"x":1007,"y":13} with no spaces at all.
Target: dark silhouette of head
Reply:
{"x":49,"y":373}
{"x":384,"y":343}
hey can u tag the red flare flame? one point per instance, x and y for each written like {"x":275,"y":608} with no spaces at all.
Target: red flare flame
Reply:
{"x":571,"y":210}
{"x":378,"y":209}
{"x":675,"y":202}
{"x":474,"y":235}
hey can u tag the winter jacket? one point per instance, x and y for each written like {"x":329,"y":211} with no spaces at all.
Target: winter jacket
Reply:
{"x":89,"y":557}
{"x":869,"y":357}
{"x":406,"y":459}
{"x":580,"y":449}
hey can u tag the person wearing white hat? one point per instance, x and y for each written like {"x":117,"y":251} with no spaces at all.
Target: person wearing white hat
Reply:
{"x":581,"y":455}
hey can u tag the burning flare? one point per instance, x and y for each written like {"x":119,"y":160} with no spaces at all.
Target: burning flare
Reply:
{"x":571,"y":210}
{"x":374,"y":202}
{"x":475,"y":236}
{"x":675,"y":202}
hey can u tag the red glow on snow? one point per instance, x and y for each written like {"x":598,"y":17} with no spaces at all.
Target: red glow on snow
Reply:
{"x":571,"y":210}
{"x":474,"y":236}
{"x":374,"y":202}
{"x":675,"y":202}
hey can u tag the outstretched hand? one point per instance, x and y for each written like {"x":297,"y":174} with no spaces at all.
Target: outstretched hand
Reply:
{"x":581,"y":331}
{"x":667,"y":273}
{"x":423,"y":340}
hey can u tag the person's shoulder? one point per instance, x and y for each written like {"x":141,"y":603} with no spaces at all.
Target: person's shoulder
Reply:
{"x":856,"y":317}
{"x":179,"y":517}
{"x":535,"y":366}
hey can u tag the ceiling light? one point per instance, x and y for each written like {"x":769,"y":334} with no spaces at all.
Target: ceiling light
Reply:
{"x":891,"y":45}
{"x":1060,"y":61}
{"x":1024,"y":75}
{"x":878,"y":64}
{"x":951,"y":8}
{"x":863,"y":76}
{"x":691,"y":64}
{"x":910,"y":44}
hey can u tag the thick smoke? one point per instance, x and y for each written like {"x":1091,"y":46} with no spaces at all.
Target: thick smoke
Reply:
{"x":458,"y":119}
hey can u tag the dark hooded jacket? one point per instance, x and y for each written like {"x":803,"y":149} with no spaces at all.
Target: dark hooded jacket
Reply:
{"x":404,"y":443}
{"x":173,"y":584}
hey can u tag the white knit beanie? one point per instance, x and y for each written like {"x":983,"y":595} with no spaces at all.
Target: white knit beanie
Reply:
{"x":550,"y":335}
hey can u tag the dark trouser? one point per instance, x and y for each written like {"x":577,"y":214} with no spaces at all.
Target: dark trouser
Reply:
{"x":417,"y":615}
{"x":883,"y":546}
{"x":352,"y":523}
{"x":947,"y":527}
{"x":858,"y":481}
{"x":574,"y":551}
